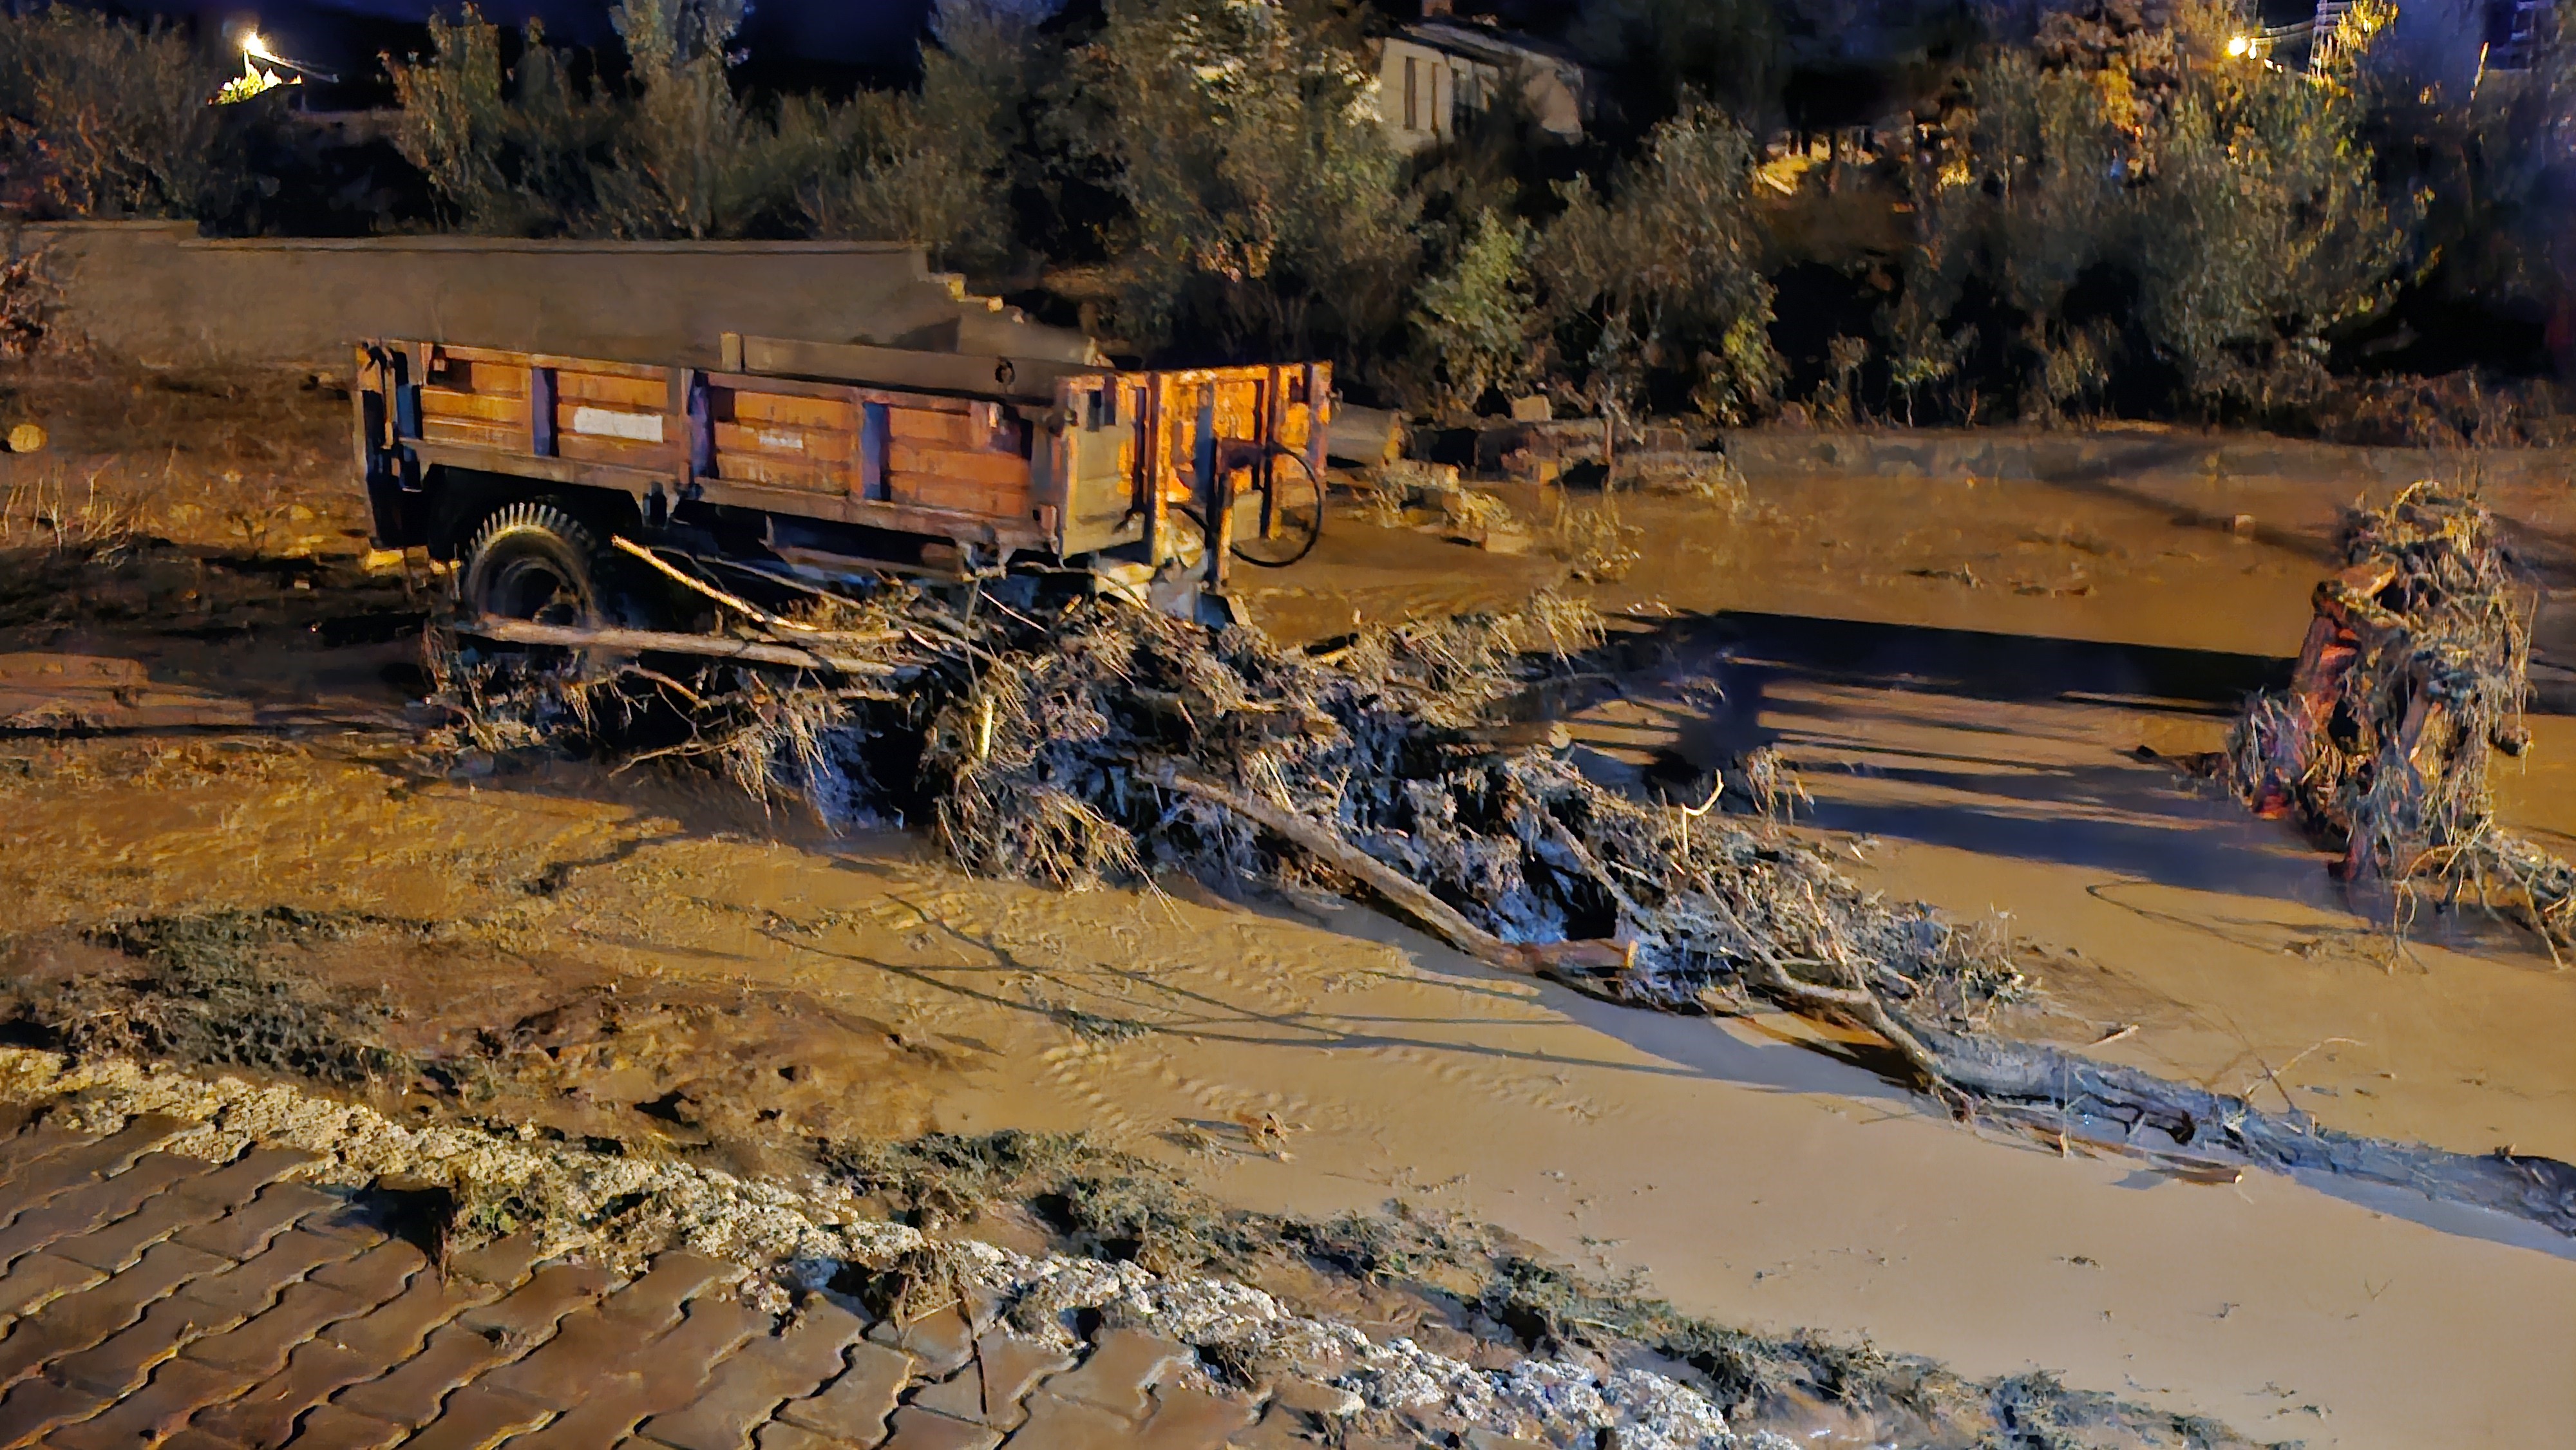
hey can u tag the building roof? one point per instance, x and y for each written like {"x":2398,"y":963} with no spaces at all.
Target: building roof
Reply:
{"x":1500,"y":48}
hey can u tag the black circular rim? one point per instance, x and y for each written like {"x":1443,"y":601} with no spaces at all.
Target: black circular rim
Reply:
{"x":525,"y":584}
{"x":1298,"y":543}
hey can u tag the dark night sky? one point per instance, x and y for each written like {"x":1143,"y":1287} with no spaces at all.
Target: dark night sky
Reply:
{"x":339,"y":35}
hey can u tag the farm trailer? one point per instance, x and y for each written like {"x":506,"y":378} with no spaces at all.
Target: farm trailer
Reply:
{"x":834,"y":461}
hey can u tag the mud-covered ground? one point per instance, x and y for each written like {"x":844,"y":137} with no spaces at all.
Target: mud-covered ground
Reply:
{"x":221,"y":843}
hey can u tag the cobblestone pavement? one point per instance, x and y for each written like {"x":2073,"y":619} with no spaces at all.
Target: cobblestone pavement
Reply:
{"x":152,"y":1299}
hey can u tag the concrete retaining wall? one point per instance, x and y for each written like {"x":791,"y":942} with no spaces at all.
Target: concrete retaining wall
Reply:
{"x":2144,"y":454}
{"x":159,"y":294}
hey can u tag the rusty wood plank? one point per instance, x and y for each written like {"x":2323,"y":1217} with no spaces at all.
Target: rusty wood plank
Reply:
{"x":999,"y":470}
{"x":661,"y":458}
{"x":780,"y":473}
{"x":788,"y":410}
{"x":963,"y":496}
{"x":472,"y":433}
{"x":918,"y":425}
{"x":811,"y":445}
{"x":901,"y":517}
{"x":489,"y":408}
{"x":500,"y":379}
{"x":768,"y":386}
{"x":550,"y":470}
{"x":557,"y":361}
{"x":653,"y":392}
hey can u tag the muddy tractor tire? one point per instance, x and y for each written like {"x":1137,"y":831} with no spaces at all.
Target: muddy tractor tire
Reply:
{"x":535,"y":561}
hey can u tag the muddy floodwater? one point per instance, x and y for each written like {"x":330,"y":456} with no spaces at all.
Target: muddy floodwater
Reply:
{"x":1985,"y":686}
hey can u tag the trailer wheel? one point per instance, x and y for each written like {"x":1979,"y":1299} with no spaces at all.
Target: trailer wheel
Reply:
{"x":535,"y":561}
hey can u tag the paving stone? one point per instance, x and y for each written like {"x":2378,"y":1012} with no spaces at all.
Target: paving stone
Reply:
{"x":1123,"y":1364}
{"x":377,"y":1273}
{"x":75,"y":1322}
{"x":266,"y":1413}
{"x":35,"y":1406}
{"x":673,"y":1280}
{"x":941,"y":1342}
{"x":746,"y":1389}
{"x":675,"y":1370}
{"x":779,"y":1435}
{"x":115,"y":1245}
{"x":348,"y":1221}
{"x":1061,"y":1424}
{"x":396,"y":1330}
{"x":503,"y":1263}
{"x":925,"y":1430}
{"x":94,"y":1205}
{"x":714,"y":1328}
{"x":136,"y":1352}
{"x":1192,"y":1419}
{"x":988,"y":1391}
{"x":328,"y":1427}
{"x":235,"y":1183}
{"x":37,"y":1279}
{"x":856,"y":1404}
{"x":530,"y":1312}
{"x":248,"y":1230}
{"x":178,"y":1388}
{"x":195,"y":1440}
{"x":128,"y":1356}
{"x":77,"y":1165}
{"x":476,"y":1418}
{"x":410,"y":1393}
{"x":610,"y":1409}
{"x":248,"y":1287}
{"x":30,"y":1145}
{"x":261,"y":1343}
{"x":587,"y":1347}
{"x":612,"y":1336}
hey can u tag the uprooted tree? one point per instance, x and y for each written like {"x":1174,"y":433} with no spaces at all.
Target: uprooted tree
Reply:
{"x":2414,"y":672}
{"x":1092,"y":742}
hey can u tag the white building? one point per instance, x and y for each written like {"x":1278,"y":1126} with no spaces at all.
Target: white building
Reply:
{"x":1434,"y":74}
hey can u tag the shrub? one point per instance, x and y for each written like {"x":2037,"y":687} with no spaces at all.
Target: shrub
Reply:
{"x":103,"y":118}
{"x":2143,"y":215}
{"x":933,"y":166}
{"x":1474,"y":317}
{"x":1263,"y":208}
{"x":1665,"y":276}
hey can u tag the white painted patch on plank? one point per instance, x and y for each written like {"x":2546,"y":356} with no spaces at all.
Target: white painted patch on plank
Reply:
{"x":609,"y":423}
{"x":783,"y":442}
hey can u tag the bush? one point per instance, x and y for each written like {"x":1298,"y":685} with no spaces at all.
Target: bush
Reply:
{"x":933,"y":166}
{"x":1264,"y":210}
{"x":1474,"y":318}
{"x":1665,"y":278}
{"x":103,"y":118}
{"x":2141,"y":217}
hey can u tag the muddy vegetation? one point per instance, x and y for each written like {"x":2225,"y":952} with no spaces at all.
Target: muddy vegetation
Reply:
{"x":1092,"y":742}
{"x":1461,"y":1289}
{"x":2416,"y":670}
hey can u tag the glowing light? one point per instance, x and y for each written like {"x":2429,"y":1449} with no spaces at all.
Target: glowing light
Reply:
{"x":253,"y":43}
{"x":2240,"y":46}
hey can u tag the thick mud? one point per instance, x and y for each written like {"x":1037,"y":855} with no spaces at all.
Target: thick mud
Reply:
{"x":1965,"y":685}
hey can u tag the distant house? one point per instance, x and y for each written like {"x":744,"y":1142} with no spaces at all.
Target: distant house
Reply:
{"x":1437,"y":72}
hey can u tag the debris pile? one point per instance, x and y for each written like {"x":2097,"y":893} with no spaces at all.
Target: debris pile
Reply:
{"x":1094,"y":742}
{"x":2415,"y":668}
{"x":1136,"y":744}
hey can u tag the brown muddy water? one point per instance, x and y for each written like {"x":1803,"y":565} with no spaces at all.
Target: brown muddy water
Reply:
{"x":1964,"y":677}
